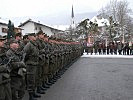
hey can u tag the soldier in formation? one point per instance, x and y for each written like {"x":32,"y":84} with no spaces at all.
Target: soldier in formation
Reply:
{"x":33,"y":62}
{"x":5,"y":87}
{"x":16,"y":70}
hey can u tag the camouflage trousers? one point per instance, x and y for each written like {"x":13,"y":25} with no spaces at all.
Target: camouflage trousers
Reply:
{"x":5,"y":91}
{"x":45,"y":72}
{"x":17,"y":87}
{"x":51,"y":70}
{"x":39,"y":75}
{"x":31,"y":77}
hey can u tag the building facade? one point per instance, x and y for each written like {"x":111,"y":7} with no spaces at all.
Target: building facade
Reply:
{"x":30,"y":26}
{"x":4,"y":28}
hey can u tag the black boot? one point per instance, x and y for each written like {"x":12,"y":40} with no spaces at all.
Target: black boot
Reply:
{"x":36,"y":95}
{"x":42,"y":88}
{"x":40,"y":91}
{"x":31,"y":97}
{"x":54,"y":80}
{"x":46,"y":85}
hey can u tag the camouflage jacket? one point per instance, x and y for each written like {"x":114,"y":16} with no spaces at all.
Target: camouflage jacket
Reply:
{"x":15,"y":63}
{"x":32,"y":53}
{"x":4,"y":74}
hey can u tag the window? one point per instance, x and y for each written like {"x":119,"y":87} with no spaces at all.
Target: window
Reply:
{"x":40,"y":28}
{"x":35,"y":28}
{"x":4,"y":30}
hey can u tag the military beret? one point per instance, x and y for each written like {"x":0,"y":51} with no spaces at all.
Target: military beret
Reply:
{"x":40,"y":32}
{"x":45,"y":35}
{"x":5,"y":36}
{"x":18,"y":34}
{"x":50,"y":38}
{"x":13,"y":41}
{"x":25,"y":36}
{"x":31,"y":34}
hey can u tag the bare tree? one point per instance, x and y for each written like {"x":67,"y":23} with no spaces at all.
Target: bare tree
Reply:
{"x":120,"y":13}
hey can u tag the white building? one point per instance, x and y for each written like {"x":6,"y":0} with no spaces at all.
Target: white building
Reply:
{"x":30,"y":26}
{"x":100,"y":21}
{"x":3,"y":27}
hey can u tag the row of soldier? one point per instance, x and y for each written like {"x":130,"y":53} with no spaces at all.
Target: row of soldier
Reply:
{"x":33,"y":63}
{"x":111,"y":48}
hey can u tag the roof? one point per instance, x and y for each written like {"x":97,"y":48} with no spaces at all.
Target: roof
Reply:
{"x":100,"y":21}
{"x":37,"y":24}
{"x":61,"y":27}
{"x":3,"y":22}
{"x":6,"y":23}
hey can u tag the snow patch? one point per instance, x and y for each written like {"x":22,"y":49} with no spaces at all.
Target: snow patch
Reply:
{"x":106,"y":56}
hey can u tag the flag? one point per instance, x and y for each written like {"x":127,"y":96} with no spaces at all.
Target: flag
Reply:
{"x":72,"y":12}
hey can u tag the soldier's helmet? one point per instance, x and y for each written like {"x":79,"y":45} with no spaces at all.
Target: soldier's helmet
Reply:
{"x":13,"y":41}
{"x":2,"y":38}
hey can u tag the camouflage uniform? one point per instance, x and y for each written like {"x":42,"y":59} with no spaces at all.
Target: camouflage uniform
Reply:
{"x":5,"y":89}
{"x":46,"y":63}
{"x":17,"y":79}
{"x":40,"y":68}
{"x":31,"y":60}
{"x":51,"y":60}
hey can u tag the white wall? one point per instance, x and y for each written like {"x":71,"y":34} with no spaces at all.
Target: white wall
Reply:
{"x":44,"y":29}
{"x":31,"y":27}
{"x":2,"y":26}
{"x":28,"y":28}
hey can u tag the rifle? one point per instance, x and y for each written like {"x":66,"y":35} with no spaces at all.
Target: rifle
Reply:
{"x":8,"y":64}
{"x":22,"y":70}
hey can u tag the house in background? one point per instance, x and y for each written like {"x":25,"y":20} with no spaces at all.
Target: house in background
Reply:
{"x":101,"y":34}
{"x":4,"y":28}
{"x":30,"y":26}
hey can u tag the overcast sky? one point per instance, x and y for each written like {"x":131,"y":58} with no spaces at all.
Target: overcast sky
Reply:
{"x":16,"y":8}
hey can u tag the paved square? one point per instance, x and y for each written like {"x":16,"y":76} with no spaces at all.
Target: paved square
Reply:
{"x":95,"y":79}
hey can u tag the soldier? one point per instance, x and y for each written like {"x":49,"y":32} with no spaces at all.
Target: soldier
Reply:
{"x":18,"y":37}
{"x":45,"y":73}
{"x":17,"y":78}
{"x":6,"y":43}
{"x":52,"y":59}
{"x":40,"y":68}
{"x":5,"y":89}
{"x":32,"y":59}
{"x":59,"y":57}
{"x":25,"y":39}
